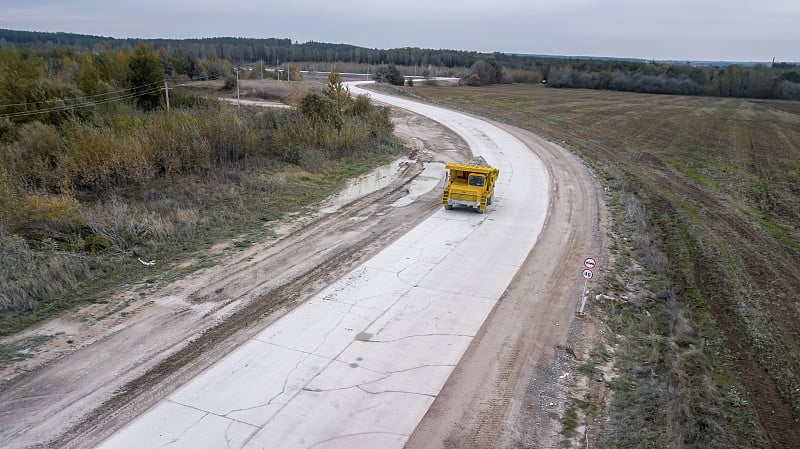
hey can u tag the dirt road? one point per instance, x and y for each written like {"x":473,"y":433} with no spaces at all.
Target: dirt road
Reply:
{"x":127,"y":354}
{"x":506,"y":392}
{"x":359,"y":364}
{"x":127,"y":362}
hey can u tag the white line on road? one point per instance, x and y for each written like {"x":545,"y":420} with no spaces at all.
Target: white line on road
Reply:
{"x":358,"y":365}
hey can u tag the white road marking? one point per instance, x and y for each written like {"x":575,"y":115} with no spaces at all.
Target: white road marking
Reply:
{"x":358,"y":365}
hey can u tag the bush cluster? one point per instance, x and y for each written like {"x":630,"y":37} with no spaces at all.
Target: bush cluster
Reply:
{"x":125,"y":179}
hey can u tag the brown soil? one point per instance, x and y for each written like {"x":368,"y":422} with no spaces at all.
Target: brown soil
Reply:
{"x":506,"y":391}
{"x":766,"y":261}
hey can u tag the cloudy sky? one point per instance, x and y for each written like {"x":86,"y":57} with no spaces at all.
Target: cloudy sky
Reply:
{"x":731,"y":30}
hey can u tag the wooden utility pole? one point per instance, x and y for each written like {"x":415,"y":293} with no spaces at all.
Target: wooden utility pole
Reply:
{"x":166,"y":94}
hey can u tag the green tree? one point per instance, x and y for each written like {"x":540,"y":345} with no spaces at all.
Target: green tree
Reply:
{"x":146,"y":77}
{"x":186,"y":65}
{"x":339,"y":93}
{"x":484,"y":73}
{"x":114,"y":65}
{"x":389,"y":74}
{"x":88,"y":75}
{"x":791,"y":76}
{"x":20,"y":70}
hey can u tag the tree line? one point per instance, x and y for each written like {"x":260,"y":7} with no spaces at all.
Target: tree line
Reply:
{"x":215,"y":57}
{"x":734,"y":80}
{"x":247,"y":50}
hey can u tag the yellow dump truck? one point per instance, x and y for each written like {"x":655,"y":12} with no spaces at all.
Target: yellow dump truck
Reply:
{"x":469,"y":186}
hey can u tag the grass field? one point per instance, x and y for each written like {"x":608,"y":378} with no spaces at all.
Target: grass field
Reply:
{"x":706,"y":193}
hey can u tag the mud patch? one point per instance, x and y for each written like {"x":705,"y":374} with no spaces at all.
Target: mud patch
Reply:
{"x":363,"y":336}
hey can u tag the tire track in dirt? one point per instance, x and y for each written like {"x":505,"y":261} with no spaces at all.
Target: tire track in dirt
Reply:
{"x":481,"y":405}
{"x":228,"y":304}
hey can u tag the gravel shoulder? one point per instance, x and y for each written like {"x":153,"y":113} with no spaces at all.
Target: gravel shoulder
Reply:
{"x":507,"y":391}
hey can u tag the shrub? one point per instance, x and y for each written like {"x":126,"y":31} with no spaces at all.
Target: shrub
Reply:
{"x":230,"y":138}
{"x":95,"y":243}
{"x":319,"y":108}
{"x":29,"y":278}
{"x":97,"y":158}
{"x":360,"y":107}
{"x":36,"y":155}
{"x":55,"y":211}
{"x":230,"y":82}
{"x":177,"y":144}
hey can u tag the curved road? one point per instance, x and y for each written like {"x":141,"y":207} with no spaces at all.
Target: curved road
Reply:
{"x":359,"y":364}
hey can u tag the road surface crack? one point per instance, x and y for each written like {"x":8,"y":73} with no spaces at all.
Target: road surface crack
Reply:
{"x":318,"y":443}
{"x":275,"y":396}
{"x":418,"y":335}
{"x":187,"y":429}
{"x":395,"y":391}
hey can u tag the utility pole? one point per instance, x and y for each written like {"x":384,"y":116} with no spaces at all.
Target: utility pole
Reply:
{"x":166,"y":94}
{"x":238,"y":101}
{"x":262,"y":70}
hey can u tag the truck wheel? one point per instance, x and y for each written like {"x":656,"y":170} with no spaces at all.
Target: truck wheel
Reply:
{"x":491,"y":197}
{"x":448,"y":206}
{"x":480,"y":211}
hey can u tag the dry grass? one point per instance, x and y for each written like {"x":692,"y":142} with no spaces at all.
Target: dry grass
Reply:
{"x":27,"y":275}
{"x":79,"y":203}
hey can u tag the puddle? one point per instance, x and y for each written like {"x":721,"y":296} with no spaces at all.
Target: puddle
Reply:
{"x":366,"y":184}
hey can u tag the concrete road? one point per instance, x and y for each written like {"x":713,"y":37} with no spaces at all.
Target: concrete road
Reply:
{"x":359,"y":364}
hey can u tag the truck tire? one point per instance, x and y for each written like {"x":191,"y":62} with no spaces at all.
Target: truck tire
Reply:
{"x":448,"y":206}
{"x":491,"y":197}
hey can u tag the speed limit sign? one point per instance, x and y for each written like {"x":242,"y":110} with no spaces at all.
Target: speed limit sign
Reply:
{"x":587,"y":274}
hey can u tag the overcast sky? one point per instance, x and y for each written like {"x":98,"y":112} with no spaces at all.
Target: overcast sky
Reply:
{"x":730,"y":30}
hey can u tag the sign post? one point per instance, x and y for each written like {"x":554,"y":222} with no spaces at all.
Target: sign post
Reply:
{"x":588,"y":264}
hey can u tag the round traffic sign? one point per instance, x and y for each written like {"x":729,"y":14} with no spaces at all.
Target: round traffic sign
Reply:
{"x":587,"y":274}
{"x":589,"y":262}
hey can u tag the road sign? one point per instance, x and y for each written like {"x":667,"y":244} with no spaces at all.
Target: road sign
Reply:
{"x":587,"y":274}
{"x":589,"y":263}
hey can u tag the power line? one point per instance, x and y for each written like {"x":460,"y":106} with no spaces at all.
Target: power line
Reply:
{"x":129,"y":94}
{"x":81,"y":105}
{"x":78,"y":98}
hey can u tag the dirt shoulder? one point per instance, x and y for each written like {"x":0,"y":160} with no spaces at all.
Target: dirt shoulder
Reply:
{"x":507,"y":391}
{"x":96,"y":374}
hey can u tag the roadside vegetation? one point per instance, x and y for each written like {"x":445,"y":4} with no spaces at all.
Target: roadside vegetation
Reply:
{"x":100,"y":185}
{"x":701,"y":320}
